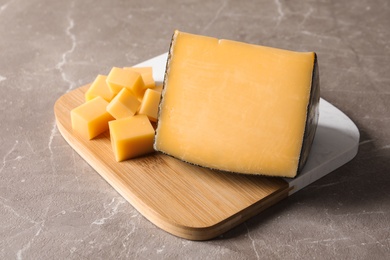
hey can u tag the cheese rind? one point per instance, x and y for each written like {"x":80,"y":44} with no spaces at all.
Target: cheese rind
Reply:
{"x":313,"y":109}
{"x":131,"y":137}
{"x":91,"y":118}
{"x":238,"y":107}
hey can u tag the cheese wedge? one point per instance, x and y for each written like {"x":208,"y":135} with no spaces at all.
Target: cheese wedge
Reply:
{"x":238,"y":107}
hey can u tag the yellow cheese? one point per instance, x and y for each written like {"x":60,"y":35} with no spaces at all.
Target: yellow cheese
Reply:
{"x":124,"y":104}
{"x":131,"y":137}
{"x":91,"y":118}
{"x":149,"y":104}
{"x":158,"y":88}
{"x":119,"y":78}
{"x":147,"y":75}
{"x":100,"y":88}
{"x":238,"y":107}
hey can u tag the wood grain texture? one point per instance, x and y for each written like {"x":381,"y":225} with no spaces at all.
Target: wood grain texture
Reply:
{"x":185,"y":200}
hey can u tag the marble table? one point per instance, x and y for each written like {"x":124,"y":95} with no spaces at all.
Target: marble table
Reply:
{"x":53,"y":205}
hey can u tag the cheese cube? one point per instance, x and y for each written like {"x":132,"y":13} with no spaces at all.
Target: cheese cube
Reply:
{"x":119,"y":78}
{"x":91,"y":118}
{"x":100,"y":88}
{"x":131,"y":137}
{"x":146,"y":74}
{"x":158,"y":87}
{"x":238,"y":107}
{"x":124,"y":104}
{"x":149,"y":104}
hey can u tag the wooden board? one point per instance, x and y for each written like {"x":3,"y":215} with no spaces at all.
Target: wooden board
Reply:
{"x":193,"y":202}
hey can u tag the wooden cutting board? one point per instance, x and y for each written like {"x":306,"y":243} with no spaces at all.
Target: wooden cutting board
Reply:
{"x":197,"y":203}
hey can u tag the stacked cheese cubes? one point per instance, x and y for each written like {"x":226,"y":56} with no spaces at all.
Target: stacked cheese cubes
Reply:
{"x":125,"y":102}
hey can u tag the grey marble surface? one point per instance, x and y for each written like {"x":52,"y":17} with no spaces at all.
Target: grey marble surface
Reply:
{"x":53,"y":205}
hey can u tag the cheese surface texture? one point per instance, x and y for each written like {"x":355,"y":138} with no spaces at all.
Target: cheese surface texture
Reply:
{"x":99,"y":88}
{"x":146,"y":74}
{"x":149,"y":105}
{"x":131,"y":137}
{"x":238,"y":107}
{"x":91,"y":118}
{"x":119,"y":78}
{"x":124,"y":104}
